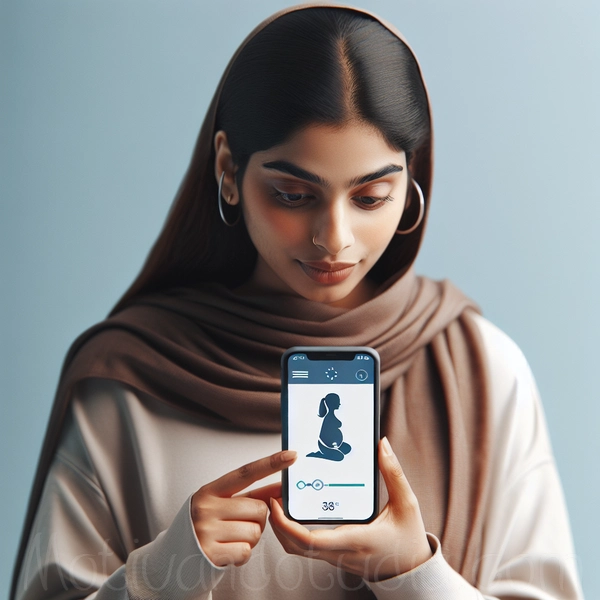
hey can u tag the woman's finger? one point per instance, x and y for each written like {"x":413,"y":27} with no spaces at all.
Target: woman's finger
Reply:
{"x":231,"y":553}
{"x":265,"y":493}
{"x":351,"y":559}
{"x":287,"y":544}
{"x":315,"y":540}
{"x":237,"y":509}
{"x":235,"y":481}
{"x":287,"y":540}
{"x":399,"y":490}
{"x":238,"y":531}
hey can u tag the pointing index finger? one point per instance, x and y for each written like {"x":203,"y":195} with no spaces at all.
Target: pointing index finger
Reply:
{"x":237,"y":480}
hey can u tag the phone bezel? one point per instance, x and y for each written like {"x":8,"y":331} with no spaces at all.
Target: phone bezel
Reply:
{"x":331,"y":353}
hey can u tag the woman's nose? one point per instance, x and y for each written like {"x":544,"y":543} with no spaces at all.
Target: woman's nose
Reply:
{"x":333,"y":229}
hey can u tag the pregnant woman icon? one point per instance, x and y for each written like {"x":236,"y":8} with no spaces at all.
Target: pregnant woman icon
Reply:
{"x":331,"y":440}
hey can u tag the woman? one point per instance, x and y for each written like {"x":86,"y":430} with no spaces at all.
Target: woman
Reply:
{"x":331,"y":439}
{"x":297,"y":224}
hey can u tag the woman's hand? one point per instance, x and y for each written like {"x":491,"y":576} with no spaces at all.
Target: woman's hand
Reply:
{"x":229,"y":526}
{"x":394,"y":543}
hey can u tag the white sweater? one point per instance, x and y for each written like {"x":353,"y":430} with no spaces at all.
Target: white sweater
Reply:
{"x":114,"y":519}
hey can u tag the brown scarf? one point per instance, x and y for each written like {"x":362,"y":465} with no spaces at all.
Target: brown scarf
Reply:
{"x":217,"y":353}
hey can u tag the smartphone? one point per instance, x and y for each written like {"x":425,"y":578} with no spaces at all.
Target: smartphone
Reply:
{"x":330,"y":416}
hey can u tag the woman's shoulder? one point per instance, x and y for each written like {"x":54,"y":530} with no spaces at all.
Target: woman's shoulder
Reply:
{"x":94,"y":403}
{"x":519,"y":430}
{"x":509,"y":373}
{"x":505,"y":358}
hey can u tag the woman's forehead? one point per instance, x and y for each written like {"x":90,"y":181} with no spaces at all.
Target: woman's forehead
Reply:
{"x":327,"y":154}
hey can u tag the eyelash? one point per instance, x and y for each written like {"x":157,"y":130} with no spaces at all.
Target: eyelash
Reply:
{"x":374,"y":201}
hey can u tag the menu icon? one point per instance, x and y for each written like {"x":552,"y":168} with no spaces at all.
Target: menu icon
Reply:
{"x":299,"y":374}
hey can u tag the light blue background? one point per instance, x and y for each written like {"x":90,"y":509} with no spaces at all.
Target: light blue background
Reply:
{"x":101,"y":104}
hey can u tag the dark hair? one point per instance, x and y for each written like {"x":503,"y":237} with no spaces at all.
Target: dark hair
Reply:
{"x":318,"y":65}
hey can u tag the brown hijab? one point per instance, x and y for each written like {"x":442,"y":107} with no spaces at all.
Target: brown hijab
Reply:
{"x":214,"y":352}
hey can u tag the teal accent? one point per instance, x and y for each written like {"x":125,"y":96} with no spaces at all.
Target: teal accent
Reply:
{"x":345,"y":484}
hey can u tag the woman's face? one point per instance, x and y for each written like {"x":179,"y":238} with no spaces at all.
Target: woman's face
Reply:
{"x":320,"y":209}
{"x":334,"y":403}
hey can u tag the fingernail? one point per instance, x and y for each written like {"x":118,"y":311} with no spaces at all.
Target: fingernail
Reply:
{"x":385,"y":444}
{"x":288,"y":455}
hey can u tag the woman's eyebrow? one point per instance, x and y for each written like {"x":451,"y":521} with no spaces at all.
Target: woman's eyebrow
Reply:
{"x":375,"y":175}
{"x":291,"y":169}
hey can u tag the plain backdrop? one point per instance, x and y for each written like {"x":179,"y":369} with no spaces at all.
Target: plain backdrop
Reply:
{"x":101,"y":105}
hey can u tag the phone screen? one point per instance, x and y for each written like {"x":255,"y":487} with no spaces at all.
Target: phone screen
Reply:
{"x":331,"y":418}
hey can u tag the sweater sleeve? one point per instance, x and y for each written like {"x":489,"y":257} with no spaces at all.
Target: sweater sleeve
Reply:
{"x":75,"y":549}
{"x":531,"y":559}
{"x":527,"y":546}
{"x":433,"y":579}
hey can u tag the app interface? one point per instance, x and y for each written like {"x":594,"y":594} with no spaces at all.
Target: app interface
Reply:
{"x":331,"y":426}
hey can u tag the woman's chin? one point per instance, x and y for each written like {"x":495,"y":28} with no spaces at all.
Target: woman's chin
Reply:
{"x":344,"y":295}
{"x":350,"y":292}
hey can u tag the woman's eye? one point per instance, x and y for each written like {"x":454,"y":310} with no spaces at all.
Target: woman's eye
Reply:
{"x":372,"y":201}
{"x":291,"y":199}
{"x":299,"y":199}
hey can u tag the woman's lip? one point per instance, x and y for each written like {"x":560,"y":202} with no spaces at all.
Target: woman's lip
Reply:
{"x":327,"y":273}
{"x":324,"y":265}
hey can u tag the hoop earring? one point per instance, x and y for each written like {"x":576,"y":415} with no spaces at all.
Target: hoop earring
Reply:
{"x":421,"y":211}
{"x":220,"y":203}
